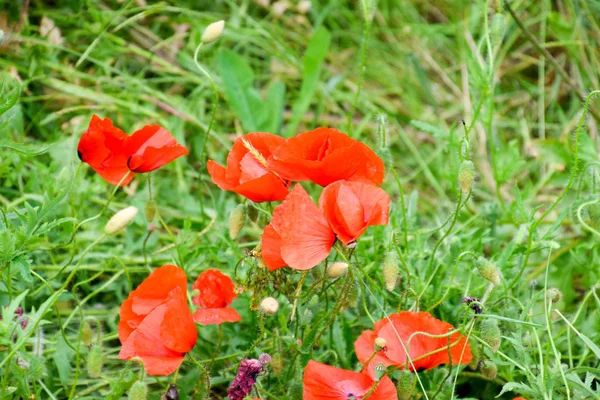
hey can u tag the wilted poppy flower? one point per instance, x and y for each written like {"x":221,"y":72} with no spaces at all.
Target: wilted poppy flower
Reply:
{"x":216,"y":294}
{"x":350,"y":207}
{"x":112,"y":153}
{"x":324,"y":156}
{"x":298,"y":236}
{"x":156,"y":324}
{"x":247,"y":172}
{"x":425,"y":352}
{"x":246,"y":377}
{"x":323,"y":382}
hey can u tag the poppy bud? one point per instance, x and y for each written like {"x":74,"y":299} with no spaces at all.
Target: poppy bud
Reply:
{"x":87,"y":334}
{"x":120,"y":220}
{"x":521,"y":234}
{"x":269,"y":305}
{"x":95,"y":361}
{"x":237,"y":220}
{"x":385,"y":154}
{"x":553,"y":295}
{"x":304,"y":6}
{"x":353,"y":296}
{"x":277,"y":364}
{"x":213,"y":32}
{"x":497,"y":30}
{"x":379,"y":371}
{"x":391,"y":272}
{"x":336,"y":270}
{"x":475,"y":358}
{"x":380,"y":343}
{"x":172,"y":393}
{"x":150,"y":210}
{"x":466,"y":175}
{"x":490,"y":333}
{"x":252,"y":212}
{"x":138,"y":391}
{"x":405,"y":385}
{"x":489,"y":369}
{"x":488,"y":270}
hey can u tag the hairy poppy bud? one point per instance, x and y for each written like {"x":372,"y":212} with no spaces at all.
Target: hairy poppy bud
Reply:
{"x":337,"y":269}
{"x":304,"y":6}
{"x":380,"y":343}
{"x":138,"y":391}
{"x":385,"y":154}
{"x":475,"y":358}
{"x":172,"y":393}
{"x":269,"y":305}
{"x":95,"y":361}
{"x":405,"y":385}
{"x":490,"y":333}
{"x":252,"y":212}
{"x":237,"y":220}
{"x":521,"y":234}
{"x":277,"y":364}
{"x":120,"y":220}
{"x":488,"y":270}
{"x":353,"y":296}
{"x":553,"y":295}
{"x":466,"y":175}
{"x":213,"y":32}
{"x":391,"y":271}
{"x":489,"y":369}
{"x":87,"y":334}
{"x":497,"y":30}
{"x":150,"y":210}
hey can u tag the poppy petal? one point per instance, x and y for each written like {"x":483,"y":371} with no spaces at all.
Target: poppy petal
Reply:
{"x":152,"y":147}
{"x":178,"y":331}
{"x":216,"y":289}
{"x":271,"y":249}
{"x":156,"y":288}
{"x":128,"y":320}
{"x":216,"y":316}
{"x":161,"y":366}
{"x":266,"y":188}
{"x":217,"y":174}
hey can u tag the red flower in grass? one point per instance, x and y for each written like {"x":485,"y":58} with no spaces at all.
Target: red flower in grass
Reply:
{"x":247,"y":172}
{"x":351,"y":207}
{"x":298,"y":236}
{"x":216,"y":294}
{"x":324,"y":156}
{"x":323,"y":382}
{"x":112,"y":153}
{"x":156,"y":324}
{"x":425,"y":352}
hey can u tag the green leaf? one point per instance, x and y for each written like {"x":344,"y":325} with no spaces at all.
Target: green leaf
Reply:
{"x":62,"y":360}
{"x":10,"y":90}
{"x":27,"y":149}
{"x":313,"y":64}
{"x":22,"y":266}
{"x":274,"y":108}
{"x":428,"y":128}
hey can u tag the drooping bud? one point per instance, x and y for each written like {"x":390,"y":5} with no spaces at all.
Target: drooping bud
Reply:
{"x":172,"y":393}
{"x":269,"y":305}
{"x":213,"y":32}
{"x":391,"y":271}
{"x":150,"y":210}
{"x":380,"y":343}
{"x":237,"y":220}
{"x":488,"y":270}
{"x":466,"y":176}
{"x":138,"y":391}
{"x":336,"y":269}
{"x":277,"y":364}
{"x":489,"y":369}
{"x":405,"y":385}
{"x":553,"y":295}
{"x":252,"y":212}
{"x":490,"y":333}
{"x":120,"y":220}
{"x":87,"y":335}
{"x":95,"y":361}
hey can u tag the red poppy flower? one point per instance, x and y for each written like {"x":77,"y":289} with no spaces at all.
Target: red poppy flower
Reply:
{"x":351,"y":207}
{"x":156,"y":324}
{"x":247,"y":173}
{"x":112,"y":153}
{"x":425,"y":352}
{"x":323,"y":382}
{"x":298,"y":236}
{"x":216,"y":294}
{"x":324,"y":156}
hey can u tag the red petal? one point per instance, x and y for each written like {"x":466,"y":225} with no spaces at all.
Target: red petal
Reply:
{"x":152,"y":147}
{"x":128,"y":320}
{"x":178,"y":331}
{"x":271,"y":249}
{"x":216,"y":316}
{"x":216,"y":289}
{"x":161,"y":366}
{"x":217,"y":173}
{"x":155,"y":289}
{"x":266,"y":188}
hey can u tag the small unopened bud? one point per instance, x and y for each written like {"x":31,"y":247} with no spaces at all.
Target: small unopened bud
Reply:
{"x":237,"y":220}
{"x":95,"y":361}
{"x":138,"y":391}
{"x":337,"y":269}
{"x":269,"y":305}
{"x":213,"y":32}
{"x":252,"y":213}
{"x":490,"y":333}
{"x":172,"y":393}
{"x":120,"y":220}
{"x":466,"y":175}
{"x":353,"y":296}
{"x":489,"y":369}
{"x":150,"y":210}
{"x":553,"y":295}
{"x":304,"y":6}
{"x":264,"y":359}
{"x":405,"y":385}
{"x":475,"y":358}
{"x":521,"y":234}
{"x":380,"y":343}
{"x":488,"y":270}
{"x":385,"y":154}
{"x":391,"y":271}
{"x":497,"y":30}
{"x":87,"y":335}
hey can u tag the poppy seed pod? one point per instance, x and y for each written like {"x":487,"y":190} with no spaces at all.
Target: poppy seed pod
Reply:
{"x":337,"y":269}
{"x":489,"y":369}
{"x":269,"y":305}
{"x":138,"y":391}
{"x":120,"y":220}
{"x":553,"y":295}
{"x":237,"y":220}
{"x":213,"y":32}
{"x":380,"y":343}
{"x":490,"y":333}
{"x":391,"y":271}
{"x":488,"y":270}
{"x":405,"y":385}
{"x":466,"y":175}
{"x":95,"y":361}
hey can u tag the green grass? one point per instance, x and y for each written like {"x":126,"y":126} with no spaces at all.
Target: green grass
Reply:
{"x":520,"y":88}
